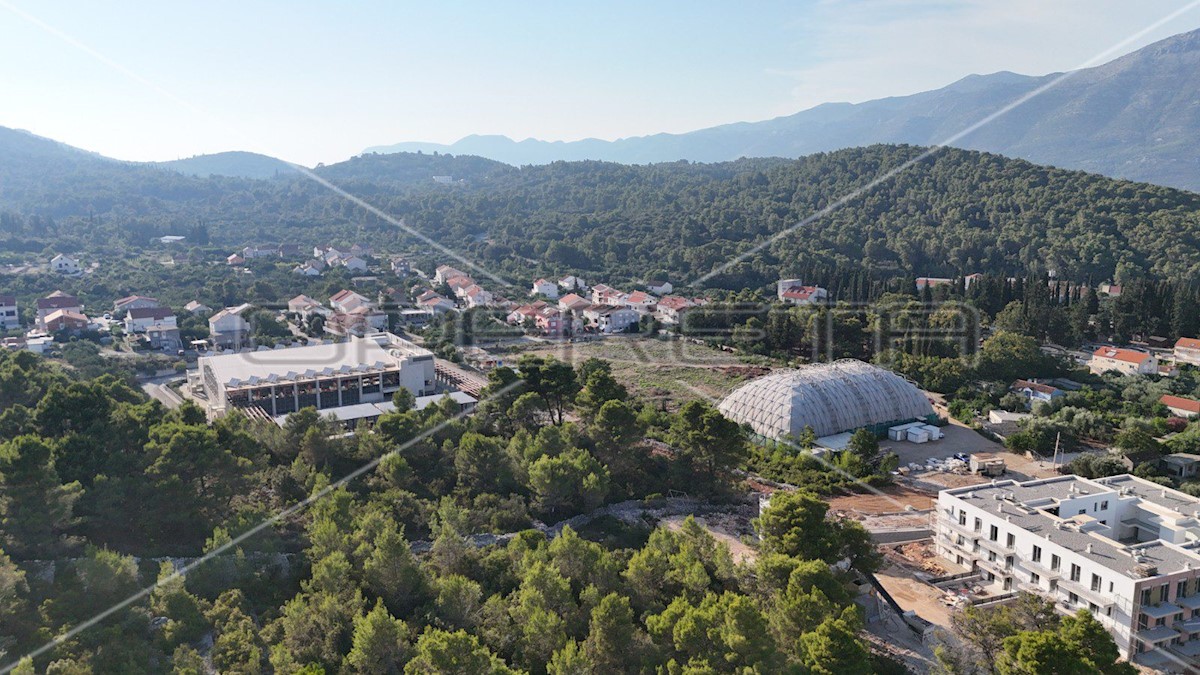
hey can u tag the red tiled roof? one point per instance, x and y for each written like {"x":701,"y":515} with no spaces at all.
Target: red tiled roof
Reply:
{"x":1035,"y":386}
{"x":1189,"y":404}
{"x":1187,"y":343}
{"x":1118,"y":354}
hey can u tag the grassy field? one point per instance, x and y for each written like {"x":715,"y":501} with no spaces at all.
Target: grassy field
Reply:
{"x":669,"y":373}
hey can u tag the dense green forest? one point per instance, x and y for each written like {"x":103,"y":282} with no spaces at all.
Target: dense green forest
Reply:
{"x":956,"y":212}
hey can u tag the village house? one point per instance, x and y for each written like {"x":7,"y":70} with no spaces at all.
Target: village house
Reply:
{"x":606,"y":295}
{"x":139,"y":319}
{"x":549,"y":320}
{"x":263,"y":251}
{"x":1036,"y":392}
{"x":612,"y":319}
{"x":65,"y":265}
{"x":1187,"y":350}
{"x":359,"y":322}
{"x":436,"y":304}
{"x":306,"y":307}
{"x":971,"y":279}
{"x":1124,"y":361}
{"x":197,"y":307}
{"x":289,"y":251}
{"x":573,"y":303}
{"x":659,"y":286}
{"x":543,"y":287}
{"x":671,"y":307}
{"x":133,"y":302}
{"x":227,"y":328}
{"x":1180,"y":465}
{"x":400,"y":267}
{"x":444,"y":273}
{"x":306,"y":269}
{"x":354,"y":263}
{"x":65,"y":320}
{"x":932,"y":282}
{"x":525,"y":312}
{"x":1111,"y":290}
{"x":641,"y":302}
{"x":235,"y":259}
{"x":794,"y":292}
{"x":163,"y":336}
{"x":346,"y":301}
{"x":9,"y":316}
{"x":55,"y":301}
{"x":476,"y":296}
{"x":1181,"y":406}
{"x":572,"y":283}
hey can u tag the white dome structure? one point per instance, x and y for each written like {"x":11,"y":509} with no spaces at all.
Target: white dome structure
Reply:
{"x":829,"y":397}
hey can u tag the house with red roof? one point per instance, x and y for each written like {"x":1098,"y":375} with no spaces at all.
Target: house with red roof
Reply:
{"x":1124,"y":361}
{"x":1181,"y":406}
{"x":1187,"y":350}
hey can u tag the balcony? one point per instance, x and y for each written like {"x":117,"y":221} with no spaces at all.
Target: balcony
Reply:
{"x":1190,"y":602}
{"x":1042,"y":570}
{"x":995,"y":546}
{"x":965,"y":530}
{"x":1163,"y":611}
{"x":995,"y":567}
{"x":1157,"y":634}
{"x":1100,"y":598}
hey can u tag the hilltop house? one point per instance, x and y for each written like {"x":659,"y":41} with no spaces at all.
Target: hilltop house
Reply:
{"x":1181,"y":406}
{"x":573,"y":303}
{"x":671,"y":308}
{"x":659,"y":286}
{"x":64,"y":264}
{"x":65,"y":320}
{"x":133,"y":302}
{"x":606,"y":295}
{"x":572,"y":283}
{"x":227,"y":327}
{"x":197,"y":307}
{"x":1187,"y":350}
{"x":641,"y":302}
{"x":1035,"y":391}
{"x":346,"y":301}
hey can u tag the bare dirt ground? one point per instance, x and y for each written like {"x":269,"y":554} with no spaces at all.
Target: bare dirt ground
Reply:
{"x":725,"y":528}
{"x":915,"y":595}
{"x":890,"y":499}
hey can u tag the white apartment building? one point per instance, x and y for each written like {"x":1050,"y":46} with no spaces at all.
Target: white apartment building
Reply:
{"x":1125,"y":548}
{"x":9,"y":316}
{"x":1124,"y":361}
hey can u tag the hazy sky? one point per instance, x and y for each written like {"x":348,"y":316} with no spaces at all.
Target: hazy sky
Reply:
{"x":321,"y":81}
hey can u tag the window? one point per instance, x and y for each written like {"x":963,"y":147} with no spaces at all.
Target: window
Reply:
{"x":962,"y":517}
{"x":1075,"y":572}
{"x":1095,"y":582}
{"x":1095,"y":507}
{"x":1034,"y":578}
{"x":1011,"y":540}
{"x":978,"y":525}
{"x":1104,"y":505}
{"x":961,"y":540}
{"x":1053,"y":585}
{"x":1037,"y":554}
{"x":1072,"y":599}
{"x":1008,"y":562}
{"x":1145,"y":596}
{"x":991,"y":556}
{"x":1008,"y":584}
{"x":1055,"y":562}
{"x":1181,"y":589}
{"x":994,"y":533}
{"x":1164,"y":592}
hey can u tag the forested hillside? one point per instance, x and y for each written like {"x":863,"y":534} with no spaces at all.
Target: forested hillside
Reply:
{"x":955,"y":212}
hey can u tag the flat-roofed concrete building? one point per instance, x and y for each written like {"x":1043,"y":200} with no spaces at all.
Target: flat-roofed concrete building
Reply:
{"x":279,"y":381}
{"x":1126,"y":549}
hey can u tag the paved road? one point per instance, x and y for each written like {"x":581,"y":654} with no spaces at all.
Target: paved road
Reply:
{"x":161,"y":392}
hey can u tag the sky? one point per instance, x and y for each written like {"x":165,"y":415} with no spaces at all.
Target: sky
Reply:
{"x":321,"y":81}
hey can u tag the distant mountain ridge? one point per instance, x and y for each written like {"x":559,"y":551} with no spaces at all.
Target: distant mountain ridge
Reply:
{"x":234,"y":164}
{"x":1134,"y":117}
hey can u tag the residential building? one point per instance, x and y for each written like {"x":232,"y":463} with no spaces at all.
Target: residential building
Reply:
{"x":354,"y":263}
{"x":804,"y":295}
{"x":437,"y":305}
{"x":306,"y":307}
{"x":348,"y":301}
{"x":1121,"y":547}
{"x":197,"y":307}
{"x":572,"y":302}
{"x":10,"y":317}
{"x":289,"y":251}
{"x":671,"y":307}
{"x":65,"y":320}
{"x":546,"y":288}
{"x":1124,"y":361}
{"x":1036,"y":392}
{"x":306,"y":269}
{"x":280,"y":381}
{"x":1181,"y":406}
{"x":1111,"y":290}
{"x":476,"y":296}
{"x":444,"y":273}
{"x":932,"y":282}
{"x":228,"y":329}
{"x":971,"y":279}
{"x":265,"y":251}
{"x":640,"y":302}
{"x":612,"y":319}
{"x":55,"y":301}
{"x":64,"y":264}
{"x":525,"y":312}
{"x":549,"y":320}
{"x":133,"y":302}
{"x":572,"y":283}
{"x":1187,"y":350}
{"x":400,"y":267}
{"x":235,"y":259}
{"x":163,"y":336}
{"x":139,"y":319}
{"x":606,"y":295}
{"x":360,"y":321}
{"x":659,"y":286}
{"x":1180,"y":465}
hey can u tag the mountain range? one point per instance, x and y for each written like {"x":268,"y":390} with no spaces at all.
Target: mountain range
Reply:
{"x":1135,"y":117}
